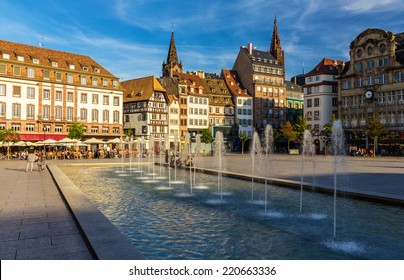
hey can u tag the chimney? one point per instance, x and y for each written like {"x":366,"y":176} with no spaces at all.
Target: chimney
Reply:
{"x":250,"y":48}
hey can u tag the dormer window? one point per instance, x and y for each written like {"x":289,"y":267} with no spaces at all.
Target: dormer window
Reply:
{"x":20,"y":58}
{"x":72,"y":67}
{"x":35,"y":60}
{"x":6,"y":56}
{"x":97,"y":70}
{"x":54,"y":64}
{"x":85,"y":68}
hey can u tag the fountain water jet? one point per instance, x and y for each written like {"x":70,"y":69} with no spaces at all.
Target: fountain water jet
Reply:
{"x":337,"y":139}
{"x":255,"y":151}
{"x":307,"y":149}
{"x":269,"y":142}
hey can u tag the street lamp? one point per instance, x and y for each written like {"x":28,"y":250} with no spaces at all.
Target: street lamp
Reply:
{"x":339,"y":65}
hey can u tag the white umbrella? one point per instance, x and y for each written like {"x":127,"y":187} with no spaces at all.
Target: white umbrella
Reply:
{"x":20,"y":143}
{"x":94,"y":141}
{"x":48,"y":142}
{"x":68,"y":140}
{"x":114,"y":141}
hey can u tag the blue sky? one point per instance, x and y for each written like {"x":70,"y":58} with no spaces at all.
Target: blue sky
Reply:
{"x":130,"y":38}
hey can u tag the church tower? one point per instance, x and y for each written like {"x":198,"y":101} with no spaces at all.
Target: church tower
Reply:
{"x":276,"y":48}
{"x":171,"y":65}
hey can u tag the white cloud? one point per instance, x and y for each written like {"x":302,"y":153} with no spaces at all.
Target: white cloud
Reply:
{"x":362,"y":6}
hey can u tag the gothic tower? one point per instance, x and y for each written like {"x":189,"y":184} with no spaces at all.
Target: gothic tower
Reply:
{"x":276,"y":48}
{"x":171,"y":65}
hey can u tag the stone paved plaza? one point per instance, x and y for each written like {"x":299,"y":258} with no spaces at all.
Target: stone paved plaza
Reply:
{"x":37,"y":223}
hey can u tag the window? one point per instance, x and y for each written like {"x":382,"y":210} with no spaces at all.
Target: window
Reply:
{"x":105,"y":100}
{"x":58,"y":113}
{"x":309,"y":103}
{"x":6,"y":56}
{"x":31,"y":73}
{"x":84,"y":98}
{"x":72,"y":67}
{"x":35,"y":60}
{"x":58,"y":129}
{"x":2,"y":90}
{"x":316,"y":115}
{"x":105,"y":116}
{"x":16,"y":110}
{"x":104,"y":82}
{"x":95,"y":99}
{"x":46,"y":94}
{"x":70,"y":78}
{"x":83,"y":80}
{"x":335,"y":101}
{"x":105,"y":130}
{"x":58,"y":95}
{"x":115,"y":84}
{"x":16,"y":127}
{"x":94,"y":81}
{"x":94,"y":114}
{"x":316,"y":102}
{"x":2,"y":109}
{"x":30,"y":127}
{"x":116,"y":101}
{"x":3,"y":68}
{"x":70,"y":97}
{"x":83,"y":114}
{"x":54,"y":64}
{"x":45,"y":74}
{"x":17,"y":71}
{"x":46,"y":111}
{"x":16,"y":91}
{"x":58,"y":76}
{"x":94,"y":129}
{"x":30,"y":111}
{"x":116,"y":117}
{"x":69,"y":114}
{"x":115,"y":130}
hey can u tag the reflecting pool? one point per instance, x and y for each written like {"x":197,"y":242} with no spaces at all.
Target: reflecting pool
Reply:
{"x":175,"y":221}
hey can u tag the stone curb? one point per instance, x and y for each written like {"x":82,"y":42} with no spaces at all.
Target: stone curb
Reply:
{"x":104,"y":239}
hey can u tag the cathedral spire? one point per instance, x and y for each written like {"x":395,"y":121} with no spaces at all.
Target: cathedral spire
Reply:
{"x":276,"y":48}
{"x":171,"y":65}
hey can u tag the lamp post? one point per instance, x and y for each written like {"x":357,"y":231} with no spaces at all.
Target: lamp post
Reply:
{"x":339,"y":65}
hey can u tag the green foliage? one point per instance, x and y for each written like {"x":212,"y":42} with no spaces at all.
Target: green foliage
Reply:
{"x":244,"y":138}
{"x":376,"y":131}
{"x":9,"y":135}
{"x":288,"y":132}
{"x":76,"y":131}
{"x":206,"y":136}
{"x":327,"y":129}
{"x":300,"y":127}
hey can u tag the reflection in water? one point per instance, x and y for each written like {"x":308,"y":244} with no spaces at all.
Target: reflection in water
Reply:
{"x":163,"y":225}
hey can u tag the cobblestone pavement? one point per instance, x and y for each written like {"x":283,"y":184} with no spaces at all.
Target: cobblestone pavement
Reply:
{"x":34,"y":221}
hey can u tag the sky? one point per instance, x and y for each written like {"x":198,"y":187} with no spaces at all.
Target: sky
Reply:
{"x":130,"y":38}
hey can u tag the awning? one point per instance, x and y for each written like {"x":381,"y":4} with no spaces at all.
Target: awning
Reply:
{"x":41,"y":137}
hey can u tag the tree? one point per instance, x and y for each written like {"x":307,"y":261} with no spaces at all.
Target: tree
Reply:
{"x":327,"y":132}
{"x":76,"y":131}
{"x":301,"y":126}
{"x":244,"y":139}
{"x":8,"y":136}
{"x":288,"y":132}
{"x":206,"y":136}
{"x":376,"y":131}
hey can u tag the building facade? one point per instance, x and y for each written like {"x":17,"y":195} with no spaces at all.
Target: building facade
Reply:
{"x":294,"y":101}
{"x":373,"y":85}
{"x":262,"y":73}
{"x":242,"y":101}
{"x":145,"y":108}
{"x":43,"y":91}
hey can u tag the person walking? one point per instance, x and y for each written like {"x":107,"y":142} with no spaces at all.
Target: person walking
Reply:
{"x":31,"y":158}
